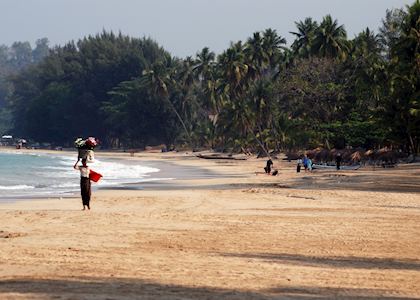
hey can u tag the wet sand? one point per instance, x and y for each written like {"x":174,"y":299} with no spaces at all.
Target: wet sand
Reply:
{"x":327,"y":234}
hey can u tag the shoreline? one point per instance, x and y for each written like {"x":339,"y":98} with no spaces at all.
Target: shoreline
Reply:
{"x":168,"y":176}
{"x":350,"y":234}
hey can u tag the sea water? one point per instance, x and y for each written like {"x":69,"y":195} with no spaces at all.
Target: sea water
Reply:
{"x":50,"y":175}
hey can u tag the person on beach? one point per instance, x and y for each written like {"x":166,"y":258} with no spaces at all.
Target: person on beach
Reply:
{"x":338,"y":159}
{"x":305,"y":162}
{"x":85,"y":187}
{"x":309,"y":165}
{"x":267,"y":168}
{"x":299,"y":165}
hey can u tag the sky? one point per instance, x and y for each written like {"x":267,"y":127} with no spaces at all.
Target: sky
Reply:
{"x":182,"y":27}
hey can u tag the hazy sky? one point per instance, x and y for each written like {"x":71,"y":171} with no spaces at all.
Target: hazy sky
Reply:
{"x":182,"y":26}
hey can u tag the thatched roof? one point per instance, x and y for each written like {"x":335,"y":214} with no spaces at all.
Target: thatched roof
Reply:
{"x":370,"y":153}
{"x":357,"y":156}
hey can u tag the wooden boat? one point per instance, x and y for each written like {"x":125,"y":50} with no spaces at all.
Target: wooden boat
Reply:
{"x":333,"y":167}
{"x":218,"y":156}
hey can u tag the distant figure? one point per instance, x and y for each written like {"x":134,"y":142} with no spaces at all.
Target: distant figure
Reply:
{"x":338,"y":159}
{"x":85,"y":187}
{"x":309,"y":165}
{"x":267,"y":168}
{"x":305,"y":162}
{"x":299,"y":165}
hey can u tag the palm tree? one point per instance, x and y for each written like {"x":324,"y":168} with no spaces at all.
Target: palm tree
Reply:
{"x":204,"y":64}
{"x":409,"y":45}
{"x":367,"y":70}
{"x":234,"y":69}
{"x":330,"y":39}
{"x":261,"y":105}
{"x":405,"y":77}
{"x":367,"y":44}
{"x":256,"y":56}
{"x":272,"y":46}
{"x":305,"y":35}
{"x":185,"y":75}
{"x":204,"y":70}
{"x":157,"y":78}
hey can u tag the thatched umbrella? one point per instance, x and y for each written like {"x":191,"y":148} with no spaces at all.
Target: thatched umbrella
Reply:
{"x":311,"y":153}
{"x":357,"y":156}
{"x":383,"y":150}
{"x":333,"y":153}
{"x":294,"y":155}
{"x":316,"y":154}
{"x":387,"y":155}
{"x":370,"y":153}
{"x":346,"y":154}
{"x":322,"y":155}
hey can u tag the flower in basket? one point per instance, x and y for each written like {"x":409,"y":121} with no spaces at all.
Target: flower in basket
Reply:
{"x":79,"y":143}
{"x":91,"y":142}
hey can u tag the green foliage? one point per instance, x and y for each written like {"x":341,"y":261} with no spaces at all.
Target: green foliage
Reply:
{"x":12,"y":60}
{"x":257,"y":95}
{"x":64,"y":96}
{"x":355,"y":132}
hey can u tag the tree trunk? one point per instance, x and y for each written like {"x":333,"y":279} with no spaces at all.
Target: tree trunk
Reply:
{"x":180,"y":119}
{"x":412,"y":145}
{"x":259,"y":142}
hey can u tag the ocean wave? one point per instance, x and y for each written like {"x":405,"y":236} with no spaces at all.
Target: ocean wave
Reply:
{"x":56,"y":175}
{"x":55,"y":168}
{"x":106,"y":182}
{"x":156,"y":179}
{"x":64,"y":185}
{"x":16,"y":187}
{"x":36,"y":174}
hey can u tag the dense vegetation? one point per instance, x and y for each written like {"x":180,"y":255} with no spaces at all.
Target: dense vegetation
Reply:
{"x":259,"y":95}
{"x":12,"y":60}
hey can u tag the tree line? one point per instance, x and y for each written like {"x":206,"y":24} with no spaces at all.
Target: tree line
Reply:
{"x":258,"y":95}
{"x":12,"y":60}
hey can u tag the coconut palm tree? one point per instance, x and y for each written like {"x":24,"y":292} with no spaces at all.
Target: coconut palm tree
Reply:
{"x":367,"y":44}
{"x":204,"y":70}
{"x":305,"y":35}
{"x":367,"y":68}
{"x":185,"y":73}
{"x":256,"y":56}
{"x":330,"y":39}
{"x":157,"y":78}
{"x":272,"y":45}
{"x":204,"y":63}
{"x":233,"y":69}
{"x":405,"y":78}
{"x":184,"y":82}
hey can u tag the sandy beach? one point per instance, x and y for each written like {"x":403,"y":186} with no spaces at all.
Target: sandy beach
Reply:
{"x":237,"y":235}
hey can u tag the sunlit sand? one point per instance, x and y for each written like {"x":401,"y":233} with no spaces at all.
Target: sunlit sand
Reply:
{"x":324,"y":234}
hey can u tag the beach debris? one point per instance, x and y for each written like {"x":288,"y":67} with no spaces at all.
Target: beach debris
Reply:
{"x":9,"y":235}
{"x":301,"y":197}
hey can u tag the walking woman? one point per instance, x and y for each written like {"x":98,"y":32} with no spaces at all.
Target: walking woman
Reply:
{"x":85,"y":188}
